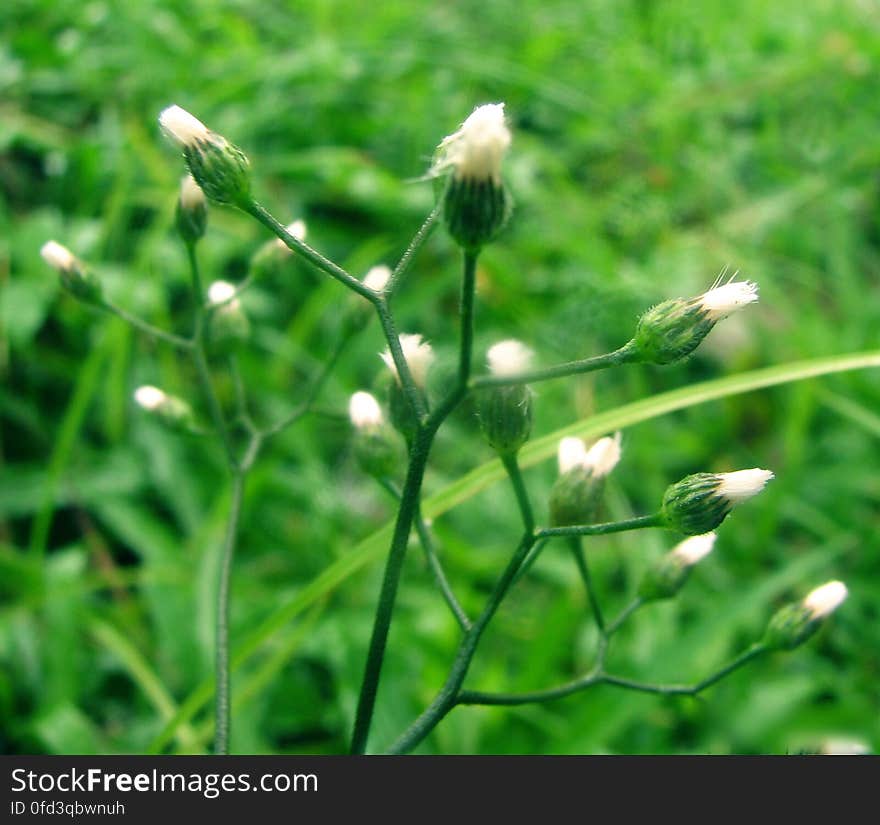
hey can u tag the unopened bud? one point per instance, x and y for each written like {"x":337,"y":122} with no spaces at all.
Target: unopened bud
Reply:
{"x":668,"y":575}
{"x":221,"y":169}
{"x":228,"y":324}
{"x":192,"y":211}
{"x":75,"y":278}
{"x":673,"y":329}
{"x":575,"y":496}
{"x":505,"y":412}
{"x":377,"y":448}
{"x":793,"y":624}
{"x":700,"y":502}
{"x":172,"y":411}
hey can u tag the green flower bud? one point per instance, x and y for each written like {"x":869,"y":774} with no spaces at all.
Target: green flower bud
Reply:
{"x":575,"y":496}
{"x":377,"y":449}
{"x":700,"y":502}
{"x":673,"y":329}
{"x":192,"y":211}
{"x":220,"y":169}
{"x":505,"y":412}
{"x":419,"y":356}
{"x":75,"y":278}
{"x":476,"y":205}
{"x":794,"y":623}
{"x":228,"y":324}
{"x":172,"y":411}
{"x":668,"y":575}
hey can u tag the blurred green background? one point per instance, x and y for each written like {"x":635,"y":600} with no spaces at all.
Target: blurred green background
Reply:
{"x":655,"y":144}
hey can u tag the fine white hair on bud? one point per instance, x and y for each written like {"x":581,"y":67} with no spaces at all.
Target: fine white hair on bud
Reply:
{"x":693,"y":549}
{"x":475,"y":151}
{"x":599,"y":460}
{"x":418,"y":355}
{"x":509,"y":357}
{"x":377,"y":278}
{"x":150,"y":398}
{"x":364,"y":411}
{"x":222,"y":292}
{"x":183,"y":128}
{"x":825,"y":599}
{"x":742,"y":484}
{"x":191,"y":194}
{"x":57,"y":256}
{"x":721,"y":301}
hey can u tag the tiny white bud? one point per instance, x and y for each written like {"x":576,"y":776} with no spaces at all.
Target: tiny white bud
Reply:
{"x":364,"y":411}
{"x":57,"y":256}
{"x":742,"y":484}
{"x":377,"y":278}
{"x":721,"y":301}
{"x":509,"y":357}
{"x":150,"y":398}
{"x":475,"y":151}
{"x":418,"y":355}
{"x":825,"y":599}
{"x":182,"y":127}
{"x":222,"y":292}
{"x":571,"y":453}
{"x":603,"y":456}
{"x":191,"y":194}
{"x":298,"y":229}
{"x":844,"y":746}
{"x":693,"y":549}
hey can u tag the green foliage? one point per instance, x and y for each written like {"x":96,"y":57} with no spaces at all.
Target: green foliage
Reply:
{"x":652,"y":147}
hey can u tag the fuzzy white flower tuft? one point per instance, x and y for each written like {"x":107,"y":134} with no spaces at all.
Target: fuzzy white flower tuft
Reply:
{"x":364,"y":411}
{"x":693,"y":549}
{"x":191,"y":194}
{"x":723,"y":300}
{"x":599,"y":460}
{"x":475,"y":151}
{"x":150,"y":398}
{"x":742,"y":484}
{"x":509,"y":357}
{"x":182,"y":127}
{"x":222,"y":292}
{"x":825,"y":599}
{"x":377,"y":278}
{"x":417,"y":353}
{"x":57,"y":256}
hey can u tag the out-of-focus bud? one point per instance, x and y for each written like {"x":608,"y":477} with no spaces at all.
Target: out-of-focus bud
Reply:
{"x":221,"y":169}
{"x":505,"y":412}
{"x":192,"y":211}
{"x":75,"y":278}
{"x":665,"y":578}
{"x":172,"y":411}
{"x":419,"y":356}
{"x":673,"y":329}
{"x":575,"y":496}
{"x":228,"y":324}
{"x":358,"y":312}
{"x":794,"y":623}
{"x":476,"y":204}
{"x":377,"y":448}
{"x":269,"y":259}
{"x":700,"y":502}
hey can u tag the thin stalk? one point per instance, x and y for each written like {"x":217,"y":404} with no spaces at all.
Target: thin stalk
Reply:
{"x":624,"y":614}
{"x":415,"y":244}
{"x":154,"y":332}
{"x":637,"y":523}
{"x":577,"y":550}
{"x":519,"y":488}
{"x":626,"y":354}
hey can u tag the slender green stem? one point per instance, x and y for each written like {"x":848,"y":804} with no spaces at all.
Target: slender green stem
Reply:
{"x":415,"y":244}
{"x":303,"y":249}
{"x":577,"y":550}
{"x":534,"y":553}
{"x":477,"y":697}
{"x":519,"y":488}
{"x":626,"y":354}
{"x":447,"y":697}
{"x":636,"y":523}
{"x":622,"y":617}
{"x":413,"y":395}
{"x":154,"y":332}
{"x":221,"y":734}
{"x":468,"y":294}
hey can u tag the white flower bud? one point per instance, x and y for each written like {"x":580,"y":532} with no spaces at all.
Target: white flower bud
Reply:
{"x":475,"y":151}
{"x":693,"y":549}
{"x":598,"y":461}
{"x":182,"y":127}
{"x":58,"y":257}
{"x":825,"y":599}
{"x":508,"y":358}
{"x":223,"y":292}
{"x":742,"y":484}
{"x":571,"y":453}
{"x":364,"y":411}
{"x":721,"y":301}
{"x":377,"y":278}
{"x":150,"y":398}
{"x":191,"y":194}
{"x":418,"y":355}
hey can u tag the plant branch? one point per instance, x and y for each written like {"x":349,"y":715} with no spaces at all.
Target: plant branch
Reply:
{"x":637,"y":523}
{"x":577,"y":550}
{"x":415,"y":244}
{"x":148,"y":329}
